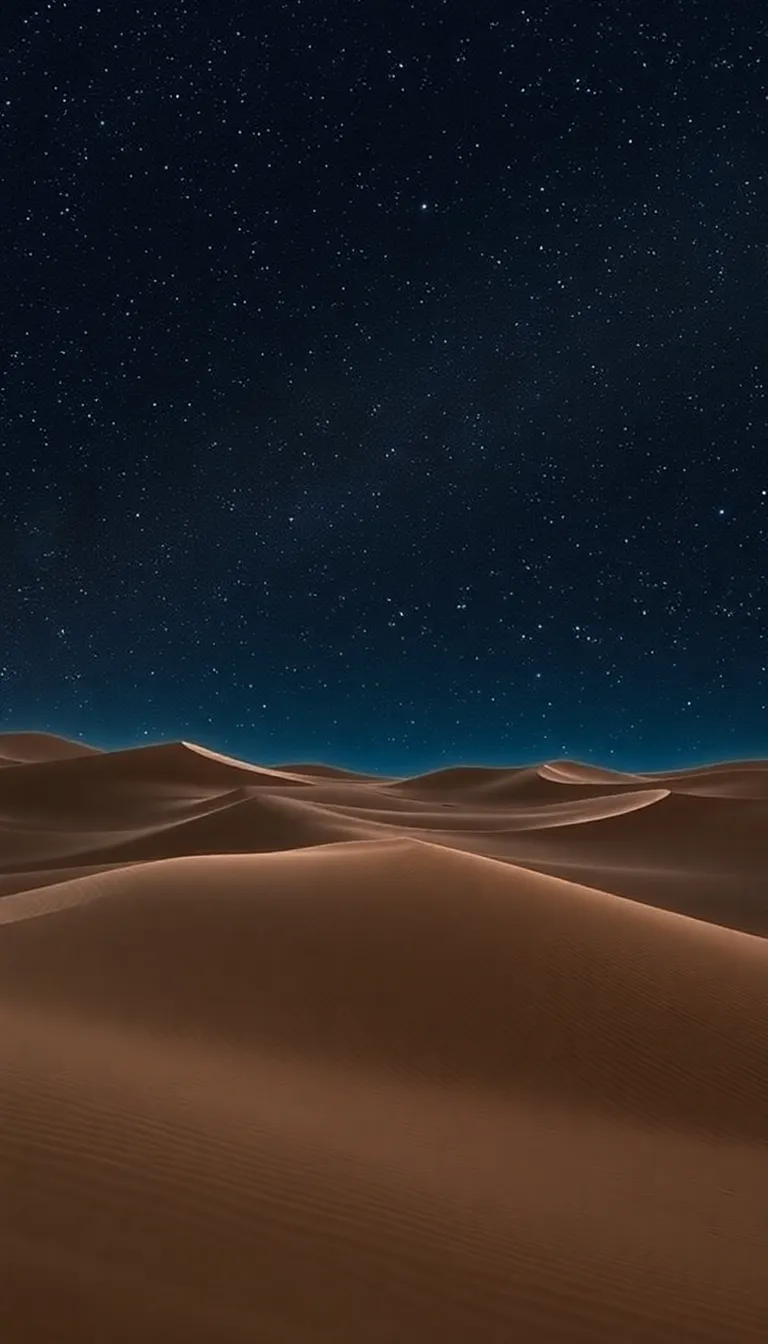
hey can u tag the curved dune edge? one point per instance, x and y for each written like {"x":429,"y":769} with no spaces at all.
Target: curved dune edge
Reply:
{"x":573,"y":772}
{"x":414,"y":959}
{"x":262,"y":770}
{"x":293,"y":1054}
{"x":494,"y":820}
{"x":33,"y":748}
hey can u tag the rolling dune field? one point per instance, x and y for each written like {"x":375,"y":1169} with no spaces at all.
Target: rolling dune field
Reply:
{"x":302,"y":1056}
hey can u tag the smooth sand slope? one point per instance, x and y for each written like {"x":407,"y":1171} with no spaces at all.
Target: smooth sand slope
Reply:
{"x":298,"y":1055}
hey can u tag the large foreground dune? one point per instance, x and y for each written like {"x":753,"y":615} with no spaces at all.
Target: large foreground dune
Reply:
{"x":303,"y":1056}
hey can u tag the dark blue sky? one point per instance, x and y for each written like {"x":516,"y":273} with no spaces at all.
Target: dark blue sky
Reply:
{"x":386,"y":383}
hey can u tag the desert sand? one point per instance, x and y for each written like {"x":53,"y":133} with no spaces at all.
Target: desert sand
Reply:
{"x":303,"y":1056}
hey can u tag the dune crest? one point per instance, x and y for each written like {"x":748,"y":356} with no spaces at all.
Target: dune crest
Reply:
{"x":297,"y":1054}
{"x":574,"y":772}
{"x":29,"y":748}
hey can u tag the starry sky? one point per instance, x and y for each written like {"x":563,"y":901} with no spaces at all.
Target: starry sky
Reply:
{"x":385,"y":384}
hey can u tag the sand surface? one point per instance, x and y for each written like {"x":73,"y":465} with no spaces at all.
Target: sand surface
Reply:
{"x":298,"y":1055}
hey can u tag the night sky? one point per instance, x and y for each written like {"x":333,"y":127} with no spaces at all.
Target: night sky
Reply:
{"x":385,"y":383}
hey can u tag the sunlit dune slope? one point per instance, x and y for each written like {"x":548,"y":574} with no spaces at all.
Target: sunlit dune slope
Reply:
{"x":416,"y":960}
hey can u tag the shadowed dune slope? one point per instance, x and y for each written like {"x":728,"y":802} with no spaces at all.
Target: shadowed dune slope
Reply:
{"x":527,"y":785}
{"x":701,"y":855}
{"x":739,"y":782}
{"x":84,"y":783}
{"x":318,"y":771}
{"x":456,"y":779}
{"x":236,"y":825}
{"x":408,"y":957}
{"x":29,"y":748}
{"x":478,"y":785}
{"x":680,"y":826}
{"x":232,"y":823}
{"x":715,"y":768}
{"x":494,"y":819}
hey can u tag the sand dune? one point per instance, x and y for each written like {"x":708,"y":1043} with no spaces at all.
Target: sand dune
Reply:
{"x":476,"y":786}
{"x":26,"y":748}
{"x":739,"y":782}
{"x":294,"y":1054}
{"x":574,"y":772}
{"x":317,"y":770}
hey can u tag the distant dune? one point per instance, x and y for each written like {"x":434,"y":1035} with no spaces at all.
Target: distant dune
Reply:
{"x":327,"y":771}
{"x":573,"y":772}
{"x":23,"y":748}
{"x":294,"y":1054}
